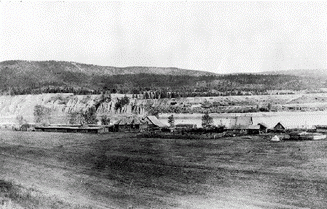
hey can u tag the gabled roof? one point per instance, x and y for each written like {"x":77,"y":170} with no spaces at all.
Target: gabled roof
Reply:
{"x":129,"y":120}
{"x":263,"y":124}
{"x":136,"y":120}
{"x":282,"y":124}
{"x":291,"y":125}
{"x":123,"y":121}
{"x":152,"y":119}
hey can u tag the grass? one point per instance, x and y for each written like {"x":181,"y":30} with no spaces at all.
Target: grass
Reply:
{"x":15,"y":194}
{"x":120,"y":170}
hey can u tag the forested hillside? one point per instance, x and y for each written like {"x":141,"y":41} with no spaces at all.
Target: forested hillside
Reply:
{"x":34,"y":77}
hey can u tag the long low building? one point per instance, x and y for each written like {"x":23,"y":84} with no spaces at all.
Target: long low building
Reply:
{"x":73,"y":129}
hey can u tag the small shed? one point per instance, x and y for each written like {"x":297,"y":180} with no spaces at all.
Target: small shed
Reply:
{"x":263,"y":127}
{"x":253,"y":129}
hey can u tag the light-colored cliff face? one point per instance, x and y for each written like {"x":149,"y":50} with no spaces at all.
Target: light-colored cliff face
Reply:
{"x":61,"y":105}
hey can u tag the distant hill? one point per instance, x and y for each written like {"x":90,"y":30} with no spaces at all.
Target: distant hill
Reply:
{"x":35,"y":77}
{"x":87,"y":69}
{"x":315,"y":73}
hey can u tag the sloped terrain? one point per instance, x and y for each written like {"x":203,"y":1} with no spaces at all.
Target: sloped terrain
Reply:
{"x":34,"y":77}
{"x":21,"y":75}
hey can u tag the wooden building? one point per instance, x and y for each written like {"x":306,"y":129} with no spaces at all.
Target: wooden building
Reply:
{"x":253,"y":129}
{"x":70,"y":129}
{"x":263,"y":128}
{"x":131,"y":123}
{"x":153,"y":123}
{"x":280,"y":127}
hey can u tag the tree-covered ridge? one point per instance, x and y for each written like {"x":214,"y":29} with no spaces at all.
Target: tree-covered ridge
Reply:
{"x":23,"y":77}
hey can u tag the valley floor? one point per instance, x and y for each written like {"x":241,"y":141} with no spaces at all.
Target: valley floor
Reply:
{"x":118,"y":170}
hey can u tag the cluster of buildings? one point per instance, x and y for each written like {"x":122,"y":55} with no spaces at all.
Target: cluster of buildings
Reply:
{"x":126,"y":124}
{"x":232,"y":125}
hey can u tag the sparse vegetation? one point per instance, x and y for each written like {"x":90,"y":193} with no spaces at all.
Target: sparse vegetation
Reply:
{"x":105,"y":120}
{"x":20,"y":119}
{"x":75,"y":118}
{"x":90,"y":116}
{"x":121,"y":103}
{"x":12,"y":194}
{"x":171,"y":121}
{"x":42,"y":114}
{"x":207,"y":121}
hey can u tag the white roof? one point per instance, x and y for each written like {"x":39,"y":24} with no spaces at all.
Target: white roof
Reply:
{"x":155,"y":121}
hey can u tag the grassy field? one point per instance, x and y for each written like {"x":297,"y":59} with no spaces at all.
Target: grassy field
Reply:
{"x":62,"y":170}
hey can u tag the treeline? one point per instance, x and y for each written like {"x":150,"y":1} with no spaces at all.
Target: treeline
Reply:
{"x":153,"y":86}
{"x":42,"y":90}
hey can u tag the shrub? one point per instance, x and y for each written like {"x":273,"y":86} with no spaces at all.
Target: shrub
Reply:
{"x":20,"y":119}
{"x":171,"y":121}
{"x":75,"y":118}
{"x":105,"y":120}
{"x":121,"y":103}
{"x":207,"y":121}
{"x":42,"y":114}
{"x":89,"y":116}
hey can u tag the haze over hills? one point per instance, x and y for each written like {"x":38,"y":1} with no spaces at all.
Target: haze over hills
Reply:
{"x":34,"y":77}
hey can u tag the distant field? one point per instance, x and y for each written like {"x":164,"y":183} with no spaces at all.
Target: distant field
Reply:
{"x":120,"y":171}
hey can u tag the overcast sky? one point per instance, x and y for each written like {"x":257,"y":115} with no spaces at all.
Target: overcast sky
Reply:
{"x":221,"y":37}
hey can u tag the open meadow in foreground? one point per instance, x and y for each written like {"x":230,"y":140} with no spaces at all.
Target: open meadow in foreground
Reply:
{"x":118,"y":170}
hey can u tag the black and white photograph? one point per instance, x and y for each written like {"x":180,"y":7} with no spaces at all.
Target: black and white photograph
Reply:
{"x":163,"y":104}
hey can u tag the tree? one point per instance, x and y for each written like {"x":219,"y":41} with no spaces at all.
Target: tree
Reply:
{"x":90,"y":116}
{"x":207,"y":121}
{"x":153,"y":111}
{"x":75,"y":118}
{"x":42,"y":114}
{"x":121,"y":103}
{"x":20,"y":120}
{"x":171,"y":121}
{"x":105,"y":120}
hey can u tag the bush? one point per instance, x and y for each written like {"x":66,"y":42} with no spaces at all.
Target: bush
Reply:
{"x":105,"y":120}
{"x":75,"y":118}
{"x":121,"y":103}
{"x":20,"y":119}
{"x":42,"y":114}
{"x":207,"y":121}
{"x":90,"y":116}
